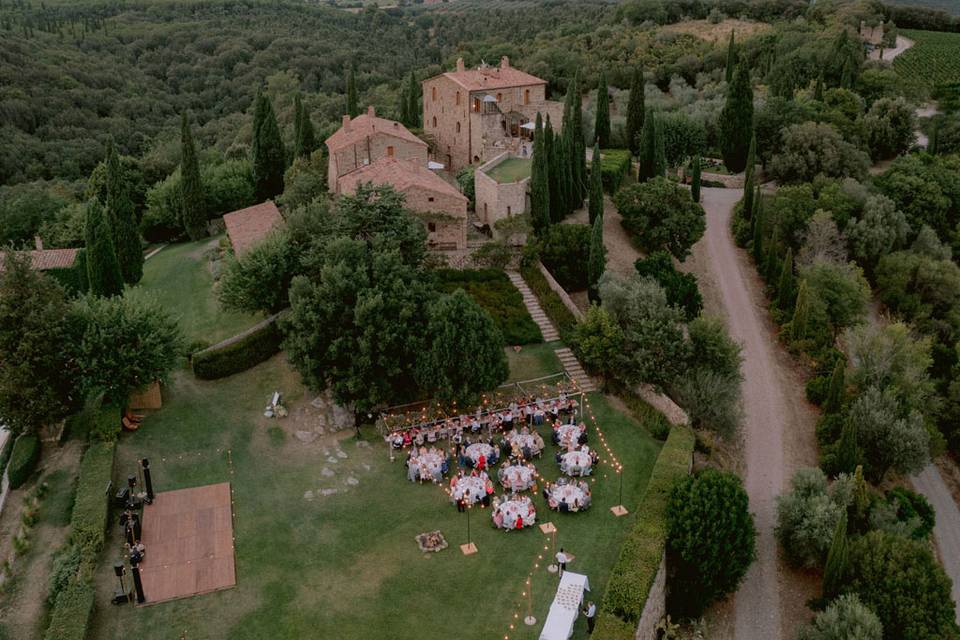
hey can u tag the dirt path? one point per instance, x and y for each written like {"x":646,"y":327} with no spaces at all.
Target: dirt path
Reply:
{"x":621,"y":254}
{"x":947,"y":528}
{"x":889,"y":54}
{"x":778,"y":430}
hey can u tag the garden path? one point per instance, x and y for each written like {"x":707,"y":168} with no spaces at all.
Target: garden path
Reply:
{"x":778,"y":434}
{"x":947,"y":528}
{"x":889,"y":54}
{"x":533,"y":306}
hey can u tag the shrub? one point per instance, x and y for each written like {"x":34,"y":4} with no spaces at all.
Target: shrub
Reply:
{"x":597,"y":341}
{"x":681,"y":288}
{"x":711,"y":539}
{"x":239,"y":353}
{"x":661,"y":215}
{"x":817,"y":389}
{"x":66,"y":566}
{"x":806,"y":518}
{"x":614,"y":166}
{"x":23,"y":459}
{"x":90,"y":508}
{"x":911,"y":505}
{"x":553,"y":306}
{"x":641,"y":553}
{"x":106,"y":423}
{"x":71,"y":612}
{"x":845,"y":619}
{"x":711,"y":400}
{"x":564,"y":251}
{"x":901,"y":581}
{"x":493,"y":291}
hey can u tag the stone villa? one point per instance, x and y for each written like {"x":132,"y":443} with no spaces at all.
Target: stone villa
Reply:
{"x":477,"y":114}
{"x":369,"y":149}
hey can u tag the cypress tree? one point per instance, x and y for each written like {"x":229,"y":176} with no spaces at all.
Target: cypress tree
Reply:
{"x":659,"y":150}
{"x":580,"y":150}
{"x":772,"y":264}
{"x":269,"y":158}
{"x":103,"y":268}
{"x":308,"y":142}
{"x":785,"y":284}
{"x":122,"y":219}
{"x":818,"y":88}
{"x":731,"y":59}
{"x":933,"y":144}
{"x":597,"y":261}
{"x":759,"y":224}
{"x":539,"y":182}
{"x":837,"y":557}
{"x":648,"y":148}
{"x":848,"y":449}
{"x":861,"y":499}
{"x":838,"y":388}
{"x":695,"y":183}
{"x":555,"y":155}
{"x":601,"y":130}
{"x":635,"y":112}
{"x":192,"y":200}
{"x":596,"y":185}
{"x":736,"y":121}
{"x":566,"y":173}
{"x":353,"y":102}
{"x":801,"y":312}
{"x":748,"y":194}
{"x":297,"y":126}
{"x":413,"y":102}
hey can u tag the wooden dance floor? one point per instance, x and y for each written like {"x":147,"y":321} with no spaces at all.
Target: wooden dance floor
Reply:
{"x":189,"y":539}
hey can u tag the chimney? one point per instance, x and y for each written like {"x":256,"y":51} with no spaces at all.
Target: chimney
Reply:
{"x":38,"y":243}
{"x":371,"y":112}
{"x":346,"y":122}
{"x":504,"y":62}
{"x":460,"y":67}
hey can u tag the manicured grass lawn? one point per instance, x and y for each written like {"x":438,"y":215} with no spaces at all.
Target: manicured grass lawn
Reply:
{"x":533,"y":361}
{"x":346,"y":565}
{"x":511,"y":170}
{"x":180,"y":278}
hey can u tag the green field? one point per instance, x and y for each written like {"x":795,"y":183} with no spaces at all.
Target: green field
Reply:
{"x":180,"y":277}
{"x":345,"y":565}
{"x":934,"y":59}
{"x":511,"y":170}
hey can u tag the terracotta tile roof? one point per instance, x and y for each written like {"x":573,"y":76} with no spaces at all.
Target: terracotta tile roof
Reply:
{"x":493,"y":78}
{"x":367,"y":125}
{"x":44,"y":259}
{"x":247,"y":227}
{"x":402,"y":175}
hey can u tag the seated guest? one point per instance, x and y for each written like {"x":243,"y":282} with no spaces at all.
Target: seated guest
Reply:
{"x":498,"y":518}
{"x":519,"y":523}
{"x":481,"y":462}
{"x":559,"y":457}
{"x":407,"y":439}
{"x":418,"y":439}
{"x":397,"y":441}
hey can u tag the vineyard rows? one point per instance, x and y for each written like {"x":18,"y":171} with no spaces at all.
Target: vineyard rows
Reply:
{"x":934,"y":59}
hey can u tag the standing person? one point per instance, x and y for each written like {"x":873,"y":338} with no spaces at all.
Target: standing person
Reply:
{"x":561,"y":561}
{"x":591,"y":612}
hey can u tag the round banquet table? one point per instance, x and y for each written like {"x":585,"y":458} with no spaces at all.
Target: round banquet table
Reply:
{"x":568,"y":434}
{"x":517,"y":477}
{"x":521,"y":440}
{"x":430,"y":464}
{"x":472,"y":488}
{"x":513,"y":508}
{"x":477,"y":449}
{"x":573,"y":495}
{"x":576,"y":463}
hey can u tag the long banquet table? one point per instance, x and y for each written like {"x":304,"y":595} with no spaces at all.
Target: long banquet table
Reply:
{"x":565,"y":607}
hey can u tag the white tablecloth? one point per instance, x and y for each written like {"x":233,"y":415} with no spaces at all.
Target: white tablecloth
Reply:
{"x":517,"y":477}
{"x":565,"y":607}
{"x":576,"y":463}
{"x":568,"y":434}
{"x":470,"y":487}
{"x":477,"y":449}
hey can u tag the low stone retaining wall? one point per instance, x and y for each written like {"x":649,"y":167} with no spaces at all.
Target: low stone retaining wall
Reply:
{"x":564,"y":296}
{"x":656,"y":606}
{"x":670,"y":409}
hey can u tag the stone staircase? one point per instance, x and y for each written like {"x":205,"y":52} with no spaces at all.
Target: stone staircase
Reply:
{"x":549,"y":332}
{"x":575,"y":370}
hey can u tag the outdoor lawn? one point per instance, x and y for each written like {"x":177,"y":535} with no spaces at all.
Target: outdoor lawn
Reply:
{"x":341,"y":560}
{"x":511,"y":170}
{"x":533,"y":361}
{"x":180,"y":278}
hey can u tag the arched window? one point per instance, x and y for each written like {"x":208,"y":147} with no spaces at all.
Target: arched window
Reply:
{"x":433,"y":94}
{"x":458,"y":127}
{"x":526,"y":96}
{"x":499,"y":97}
{"x":476,"y":104}
{"x":434,"y":121}
{"x":390,"y":151}
{"x":458,"y":97}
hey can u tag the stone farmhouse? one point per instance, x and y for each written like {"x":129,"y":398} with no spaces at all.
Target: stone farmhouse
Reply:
{"x":247,"y":227}
{"x":474,"y":115}
{"x":369,"y":149}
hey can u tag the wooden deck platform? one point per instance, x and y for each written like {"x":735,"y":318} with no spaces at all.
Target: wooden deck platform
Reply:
{"x":188,"y":534}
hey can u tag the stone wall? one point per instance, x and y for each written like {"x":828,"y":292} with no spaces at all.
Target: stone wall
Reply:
{"x":446,"y":117}
{"x":564,"y":296}
{"x":496,"y":200}
{"x":656,"y":606}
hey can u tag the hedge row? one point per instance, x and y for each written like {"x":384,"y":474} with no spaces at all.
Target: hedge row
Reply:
{"x":90,"y":509}
{"x":636,"y":568}
{"x":492,"y":290}
{"x":71,"y":612}
{"x":615,"y":166}
{"x":23,"y":459}
{"x":240,"y":352}
{"x":553,"y":306}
